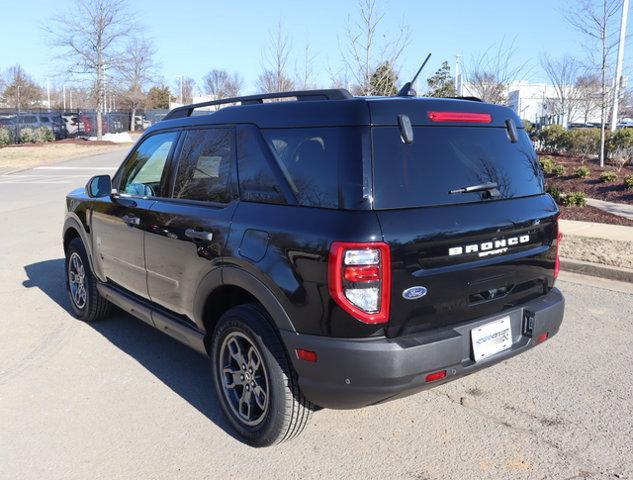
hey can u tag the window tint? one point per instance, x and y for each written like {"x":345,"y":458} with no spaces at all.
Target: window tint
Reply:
{"x":257,"y":181}
{"x":204,"y":168}
{"x":309,"y":159}
{"x":441,"y":159}
{"x":144,"y":169}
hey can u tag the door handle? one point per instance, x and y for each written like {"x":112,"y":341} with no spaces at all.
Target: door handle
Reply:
{"x":198,"y":234}
{"x":131,"y":220}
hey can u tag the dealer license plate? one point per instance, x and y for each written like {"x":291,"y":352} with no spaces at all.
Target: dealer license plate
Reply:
{"x":491,"y":338}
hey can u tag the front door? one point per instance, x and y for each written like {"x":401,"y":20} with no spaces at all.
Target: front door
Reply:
{"x":187,"y":233}
{"x":119,"y":221}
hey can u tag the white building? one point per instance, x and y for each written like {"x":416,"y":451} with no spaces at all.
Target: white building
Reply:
{"x":535,"y":101}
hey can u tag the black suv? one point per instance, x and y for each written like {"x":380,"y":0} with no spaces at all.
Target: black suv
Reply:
{"x":330,"y":251}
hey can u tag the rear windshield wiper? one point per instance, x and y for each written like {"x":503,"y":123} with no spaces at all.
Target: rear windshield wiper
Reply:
{"x":491,"y":188}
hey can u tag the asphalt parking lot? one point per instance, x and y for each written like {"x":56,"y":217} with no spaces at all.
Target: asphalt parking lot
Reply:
{"x":120,"y":400}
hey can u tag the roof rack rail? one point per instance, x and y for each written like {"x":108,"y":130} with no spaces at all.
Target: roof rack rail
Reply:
{"x":301,"y":95}
{"x":472,"y":99}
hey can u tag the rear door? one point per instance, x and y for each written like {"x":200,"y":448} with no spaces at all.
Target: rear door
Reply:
{"x":475,"y":253}
{"x":187,"y":232}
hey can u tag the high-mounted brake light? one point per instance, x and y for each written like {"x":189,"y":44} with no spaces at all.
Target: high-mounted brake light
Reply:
{"x":359,"y":278}
{"x":466,"y":117}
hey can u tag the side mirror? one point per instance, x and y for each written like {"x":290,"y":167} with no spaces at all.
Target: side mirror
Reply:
{"x":99,"y":186}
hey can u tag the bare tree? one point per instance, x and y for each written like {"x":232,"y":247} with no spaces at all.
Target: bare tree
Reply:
{"x":221,"y":84}
{"x":489,"y":74}
{"x":136,"y":73}
{"x":275,"y":56}
{"x":364,"y":49}
{"x":185,"y":88}
{"x":20,"y":90}
{"x":595,"y":20}
{"x":305,"y":70}
{"x":587,"y":91}
{"x":562,"y":73}
{"x":91,"y":33}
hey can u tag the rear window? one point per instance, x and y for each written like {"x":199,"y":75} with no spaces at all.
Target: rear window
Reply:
{"x":441,"y":159}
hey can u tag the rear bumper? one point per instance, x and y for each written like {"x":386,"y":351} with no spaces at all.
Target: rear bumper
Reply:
{"x":353,"y":373}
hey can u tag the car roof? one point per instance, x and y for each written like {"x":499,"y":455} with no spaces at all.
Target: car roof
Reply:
{"x":355,"y":111}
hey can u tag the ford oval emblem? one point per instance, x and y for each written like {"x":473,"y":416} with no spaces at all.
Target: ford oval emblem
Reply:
{"x":414,"y":293}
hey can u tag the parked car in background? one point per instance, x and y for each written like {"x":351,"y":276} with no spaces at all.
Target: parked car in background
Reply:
{"x":52,"y":121}
{"x":141,"y":122}
{"x":72,"y":124}
{"x":88,"y":124}
{"x":55,"y":122}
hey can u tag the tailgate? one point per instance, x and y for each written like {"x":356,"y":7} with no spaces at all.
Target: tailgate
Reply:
{"x":473,"y":259}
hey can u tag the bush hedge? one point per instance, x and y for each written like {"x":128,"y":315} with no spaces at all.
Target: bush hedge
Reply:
{"x":36,"y":135}
{"x":581,"y":172}
{"x":620,"y":147}
{"x":572,"y":199}
{"x":5,"y":136}
{"x":628,"y":181}
{"x":608,"y":177}
{"x":551,"y":167}
{"x":553,"y":139}
{"x":585,"y":142}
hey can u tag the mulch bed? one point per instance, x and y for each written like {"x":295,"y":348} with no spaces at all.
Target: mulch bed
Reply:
{"x":591,"y":185}
{"x":591,"y":214}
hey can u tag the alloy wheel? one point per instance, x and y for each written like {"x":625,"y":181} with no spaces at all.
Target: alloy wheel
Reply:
{"x":244,"y":379}
{"x":77,"y":281}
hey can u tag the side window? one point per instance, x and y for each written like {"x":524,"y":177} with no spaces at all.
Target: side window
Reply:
{"x":204,"y":168}
{"x":309,"y":159}
{"x":144,"y":169}
{"x":257,"y":181}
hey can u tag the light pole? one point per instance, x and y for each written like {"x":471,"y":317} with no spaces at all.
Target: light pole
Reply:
{"x":17,"y":130}
{"x":618,"y":68}
{"x":48,"y":93}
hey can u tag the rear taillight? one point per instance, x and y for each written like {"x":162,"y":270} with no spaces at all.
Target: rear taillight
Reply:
{"x":466,"y":117}
{"x":359,"y":277}
{"x":559,"y":238}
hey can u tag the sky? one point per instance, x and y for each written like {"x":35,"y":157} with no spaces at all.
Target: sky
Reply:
{"x":195,"y":36}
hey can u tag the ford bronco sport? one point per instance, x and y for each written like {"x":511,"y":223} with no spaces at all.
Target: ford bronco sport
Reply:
{"x":327,"y":252}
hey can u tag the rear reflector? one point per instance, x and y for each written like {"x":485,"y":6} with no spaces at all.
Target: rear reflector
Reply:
{"x":542,"y":337}
{"x":306,"y":355}
{"x":432,"y":377}
{"x":466,"y":117}
{"x":559,"y":238}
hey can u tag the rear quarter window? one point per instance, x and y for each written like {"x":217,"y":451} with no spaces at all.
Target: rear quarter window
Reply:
{"x":309,"y":159}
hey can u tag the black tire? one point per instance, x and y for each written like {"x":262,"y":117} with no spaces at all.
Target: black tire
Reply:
{"x":287,"y":411}
{"x":94,"y":306}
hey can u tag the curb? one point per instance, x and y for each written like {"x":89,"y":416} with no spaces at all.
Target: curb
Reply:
{"x":597,"y":270}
